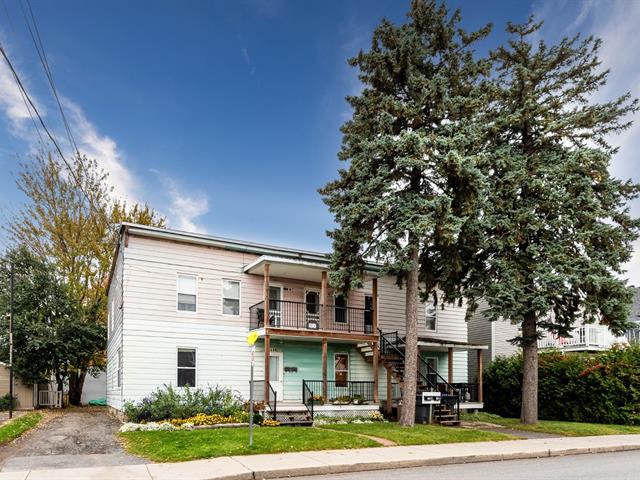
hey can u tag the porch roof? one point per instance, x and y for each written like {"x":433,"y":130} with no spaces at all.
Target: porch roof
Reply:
{"x":307,"y":270}
{"x":444,"y":345}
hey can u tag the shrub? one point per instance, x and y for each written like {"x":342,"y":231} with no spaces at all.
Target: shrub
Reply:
{"x":600,"y":388}
{"x":5,"y":402}
{"x":168,"y":403}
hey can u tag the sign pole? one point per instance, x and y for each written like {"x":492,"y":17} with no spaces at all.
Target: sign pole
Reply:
{"x":253,"y":356}
{"x":252,"y":338}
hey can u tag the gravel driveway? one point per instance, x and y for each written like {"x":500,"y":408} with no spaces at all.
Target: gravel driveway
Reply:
{"x":83,"y":437}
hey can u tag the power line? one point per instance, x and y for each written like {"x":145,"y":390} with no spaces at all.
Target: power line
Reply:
{"x":44,"y":126}
{"x":47,"y":69}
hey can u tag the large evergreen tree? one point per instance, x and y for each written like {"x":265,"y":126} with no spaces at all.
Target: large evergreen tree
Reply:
{"x":556,"y":222}
{"x":411,"y":180}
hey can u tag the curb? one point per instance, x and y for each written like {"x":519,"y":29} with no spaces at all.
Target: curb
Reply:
{"x":391,"y":465}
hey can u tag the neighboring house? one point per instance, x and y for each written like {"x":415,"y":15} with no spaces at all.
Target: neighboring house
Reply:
{"x":583,"y":338}
{"x":633,"y":334}
{"x":182,"y":304}
{"x":23,"y":393}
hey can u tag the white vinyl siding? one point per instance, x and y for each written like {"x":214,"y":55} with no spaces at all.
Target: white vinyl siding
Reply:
{"x":114,"y":343}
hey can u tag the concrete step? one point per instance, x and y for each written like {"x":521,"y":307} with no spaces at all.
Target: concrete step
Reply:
{"x":450,"y":423}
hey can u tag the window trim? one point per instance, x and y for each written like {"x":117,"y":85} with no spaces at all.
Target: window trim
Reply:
{"x":222,"y":297}
{"x":335,"y":354}
{"x":195,"y":369}
{"x":435,"y":320}
{"x":178,"y":275}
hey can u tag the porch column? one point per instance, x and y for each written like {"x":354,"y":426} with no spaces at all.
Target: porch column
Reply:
{"x":389,"y":405}
{"x":450,"y":362}
{"x":376,"y":344}
{"x":324,"y":370}
{"x":323,"y":300}
{"x":480,"y":392}
{"x":267,"y":339}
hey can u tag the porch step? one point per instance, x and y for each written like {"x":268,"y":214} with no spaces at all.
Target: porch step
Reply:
{"x":450,"y":423}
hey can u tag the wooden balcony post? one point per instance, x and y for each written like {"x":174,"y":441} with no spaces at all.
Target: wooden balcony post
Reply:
{"x":480,"y":392}
{"x":267,"y":340}
{"x":450,"y":362}
{"x":324,"y":370}
{"x":323,"y":300}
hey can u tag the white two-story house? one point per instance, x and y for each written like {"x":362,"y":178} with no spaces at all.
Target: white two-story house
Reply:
{"x":181,"y":306}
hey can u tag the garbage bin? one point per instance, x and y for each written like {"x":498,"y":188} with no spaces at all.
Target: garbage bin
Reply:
{"x":424,"y":406}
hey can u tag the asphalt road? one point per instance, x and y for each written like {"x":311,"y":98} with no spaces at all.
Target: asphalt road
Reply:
{"x":618,"y":466}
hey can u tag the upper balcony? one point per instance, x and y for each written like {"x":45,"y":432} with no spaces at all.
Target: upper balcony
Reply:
{"x":301,"y":302}
{"x":584,"y":338}
{"x":312,"y":317}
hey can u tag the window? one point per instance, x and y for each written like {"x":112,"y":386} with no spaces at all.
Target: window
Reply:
{"x":230,"y":297}
{"x":119,"y":377}
{"x":187,"y":293}
{"x":368,"y":314}
{"x":186,"y":367}
{"x":341,"y":308}
{"x":341,"y":369}
{"x":431,"y":317}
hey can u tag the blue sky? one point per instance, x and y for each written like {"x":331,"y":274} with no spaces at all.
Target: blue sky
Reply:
{"x":225,"y":116}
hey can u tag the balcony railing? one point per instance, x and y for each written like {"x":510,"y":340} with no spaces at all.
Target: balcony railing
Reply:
{"x":338,"y":393}
{"x":587,"y":336}
{"x":311,"y":316}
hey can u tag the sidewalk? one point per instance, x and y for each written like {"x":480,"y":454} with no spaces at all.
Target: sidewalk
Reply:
{"x":340,"y":461}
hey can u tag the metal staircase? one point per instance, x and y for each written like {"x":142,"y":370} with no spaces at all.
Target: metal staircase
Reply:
{"x":392,"y":356}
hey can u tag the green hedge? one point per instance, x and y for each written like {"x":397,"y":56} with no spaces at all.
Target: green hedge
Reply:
{"x":600,"y":388}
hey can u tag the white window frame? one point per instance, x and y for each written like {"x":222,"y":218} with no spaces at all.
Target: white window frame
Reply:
{"x":195,"y":369}
{"x":222,"y":297}
{"x":335,"y":354}
{"x":191,"y":275}
{"x":435,"y":315}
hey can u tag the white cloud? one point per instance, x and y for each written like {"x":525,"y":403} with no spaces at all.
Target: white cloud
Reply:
{"x":104,"y":149}
{"x":184,"y":208}
{"x":616,"y":23}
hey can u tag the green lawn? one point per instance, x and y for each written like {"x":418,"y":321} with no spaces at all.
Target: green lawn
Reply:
{"x":569,"y":429}
{"x":176,"y":446}
{"x":420,"y":434}
{"x":18,"y":426}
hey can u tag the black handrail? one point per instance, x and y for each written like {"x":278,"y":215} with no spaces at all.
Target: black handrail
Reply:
{"x":307,"y":398}
{"x":272,"y":398}
{"x":391,"y":346}
{"x":450,"y":395}
{"x":310,"y":316}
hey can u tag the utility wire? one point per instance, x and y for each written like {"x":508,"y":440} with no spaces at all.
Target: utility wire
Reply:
{"x":47,"y":69}
{"x":44,"y":126}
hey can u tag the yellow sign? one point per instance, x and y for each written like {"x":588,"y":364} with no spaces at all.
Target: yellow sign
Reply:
{"x":252,"y":338}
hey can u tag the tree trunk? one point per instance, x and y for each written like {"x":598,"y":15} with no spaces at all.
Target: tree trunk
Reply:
{"x":76,"y":382}
{"x":408,"y":413}
{"x":529,"y":411}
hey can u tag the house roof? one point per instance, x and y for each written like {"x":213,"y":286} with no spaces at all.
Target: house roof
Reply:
{"x":321,"y":259}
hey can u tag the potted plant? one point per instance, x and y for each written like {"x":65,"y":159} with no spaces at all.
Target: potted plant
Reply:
{"x":359,"y":400}
{"x":316,"y":400}
{"x":342,"y":400}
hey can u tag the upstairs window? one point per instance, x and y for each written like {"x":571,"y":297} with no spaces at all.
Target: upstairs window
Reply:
{"x":230,"y":297}
{"x":187,"y":293}
{"x":340,"y":308}
{"x":186,"y":367}
{"x":431,"y":317}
